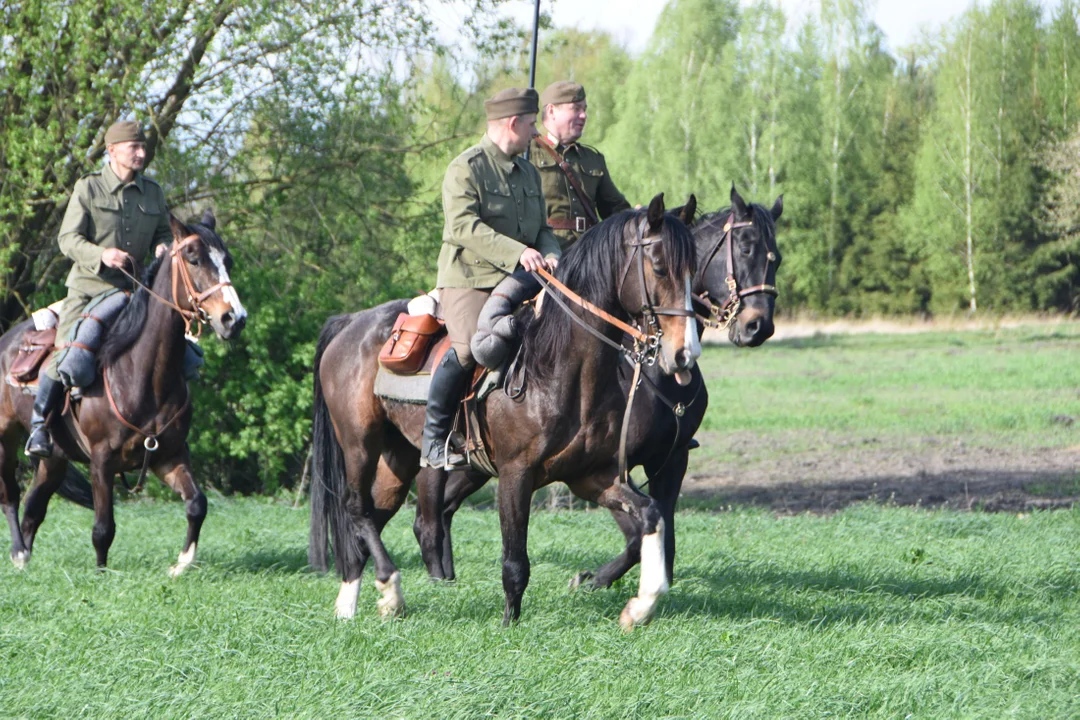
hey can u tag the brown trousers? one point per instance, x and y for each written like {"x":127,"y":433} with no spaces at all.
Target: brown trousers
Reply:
{"x":460,"y":310}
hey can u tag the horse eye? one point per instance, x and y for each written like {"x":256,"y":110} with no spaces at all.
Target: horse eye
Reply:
{"x":746,"y":249}
{"x":660,"y":272}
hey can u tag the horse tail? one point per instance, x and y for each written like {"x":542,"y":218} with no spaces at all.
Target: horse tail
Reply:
{"x":74,"y":487}
{"x":327,"y":468}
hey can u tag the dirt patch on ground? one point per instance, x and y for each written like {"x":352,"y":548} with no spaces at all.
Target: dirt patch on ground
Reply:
{"x":787,"y":476}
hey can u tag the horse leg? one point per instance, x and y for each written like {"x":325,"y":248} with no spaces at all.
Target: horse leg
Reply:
{"x":665,"y":484}
{"x":653,"y":581}
{"x":393,"y":476}
{"x":606,"y":575}
{"x":428,"y":525}
{"x":9,"y":498}
{"x":101,"y":481}
{"x":361,"y":468}
{"x":47,"y":478}
{"x":515,"y":500}
{"x":176,"y":473}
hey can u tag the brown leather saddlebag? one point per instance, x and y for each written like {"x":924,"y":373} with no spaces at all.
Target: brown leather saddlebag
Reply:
{"x":35,"y":347}
{"x":413,"y":335}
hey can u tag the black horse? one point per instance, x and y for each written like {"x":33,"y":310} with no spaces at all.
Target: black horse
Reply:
{"x":737,"y":242}
{"x":565,"y":426}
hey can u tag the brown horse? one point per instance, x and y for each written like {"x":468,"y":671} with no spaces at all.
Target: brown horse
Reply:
{"x":739,"y":243}
{"x":138,"y":411}
{"x":566,"y":424}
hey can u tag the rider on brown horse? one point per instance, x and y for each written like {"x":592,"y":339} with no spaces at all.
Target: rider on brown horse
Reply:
{"x":115,"y":217}
{"x":495,"y":221}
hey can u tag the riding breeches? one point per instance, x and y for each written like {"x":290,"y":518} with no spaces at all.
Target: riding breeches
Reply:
{"x":70,"y":311}
{"x":460,"y":309}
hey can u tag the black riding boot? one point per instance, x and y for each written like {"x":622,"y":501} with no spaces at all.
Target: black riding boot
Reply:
{"x":48,"y":393}
{"x":447,"y":386}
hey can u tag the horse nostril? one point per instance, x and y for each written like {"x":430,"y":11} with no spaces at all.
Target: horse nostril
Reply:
{"x":753,"y":326}
{"x":227,"y":319}
{"x":683,"y":358}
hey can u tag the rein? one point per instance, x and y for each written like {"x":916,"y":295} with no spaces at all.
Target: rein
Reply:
{"x":179,"y":271}
{"x":724,"y":315}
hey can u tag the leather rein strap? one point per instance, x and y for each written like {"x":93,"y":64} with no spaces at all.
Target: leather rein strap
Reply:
{"x":571,"y":177}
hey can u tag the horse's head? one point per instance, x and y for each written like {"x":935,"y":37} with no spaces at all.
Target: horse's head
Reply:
{"x":736,"y":274}
{"x":200,"y":276}
{"x":656,"y":285}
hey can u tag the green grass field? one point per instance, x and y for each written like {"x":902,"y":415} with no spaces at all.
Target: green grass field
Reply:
{"x":874,"y":611}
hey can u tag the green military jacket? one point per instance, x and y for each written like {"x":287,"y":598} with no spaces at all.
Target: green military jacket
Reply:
{"x":563,"y":204}
{"x":494,"y":211}
{"x":106,"y":213}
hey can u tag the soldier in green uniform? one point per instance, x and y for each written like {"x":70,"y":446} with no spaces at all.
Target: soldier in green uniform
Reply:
{"x":114,"y":218}
{"x":495,"y":220}
{"x":577,"y":185}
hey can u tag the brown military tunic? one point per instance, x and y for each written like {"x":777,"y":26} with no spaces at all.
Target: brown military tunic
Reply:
{"x":105,"y":212}
{"x":565,"y":211}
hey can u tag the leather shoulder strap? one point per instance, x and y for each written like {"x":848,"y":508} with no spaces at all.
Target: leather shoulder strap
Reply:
{"x":571,"y":177}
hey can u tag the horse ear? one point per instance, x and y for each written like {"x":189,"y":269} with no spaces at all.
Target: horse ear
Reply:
{"x":777,"y":208}
{"x":179,"y":229}
{"x":686,"y":213}
{"x":737,"y":202}
{"x":208,"y":218}
{"x":656,"y":213}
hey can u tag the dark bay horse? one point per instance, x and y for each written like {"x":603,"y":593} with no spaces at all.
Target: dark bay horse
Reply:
{"x":566,"y":424}
{"x":666,"y":415}
{"x":139,"y":405}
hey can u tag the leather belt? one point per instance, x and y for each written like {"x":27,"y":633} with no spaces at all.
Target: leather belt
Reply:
{"x":577,"y":224}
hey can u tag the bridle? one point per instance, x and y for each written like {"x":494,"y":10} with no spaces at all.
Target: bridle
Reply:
{"x":179,"y":273}
{"x":722,"y":316}
{"x":647,"y":336}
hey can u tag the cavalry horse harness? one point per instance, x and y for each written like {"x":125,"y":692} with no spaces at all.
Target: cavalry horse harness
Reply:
{"x":722,"y":316}
{"x":646,"y":340}
{"x":196,"y":315}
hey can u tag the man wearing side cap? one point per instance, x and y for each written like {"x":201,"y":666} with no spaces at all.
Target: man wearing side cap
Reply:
{"x":495,"y":221}
{"x":114,"y":218}
{"x":577,"y":185}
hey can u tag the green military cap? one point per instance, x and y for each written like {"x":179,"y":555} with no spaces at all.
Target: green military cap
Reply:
{"x":511,"y":101}
{"x":124,"y":131}
{"x":561,"y":92}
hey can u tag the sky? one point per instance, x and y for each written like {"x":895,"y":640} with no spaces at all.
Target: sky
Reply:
{"x":632,"y":21}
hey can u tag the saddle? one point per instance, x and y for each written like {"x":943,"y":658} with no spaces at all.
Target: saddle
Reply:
{"x":408,"y":358}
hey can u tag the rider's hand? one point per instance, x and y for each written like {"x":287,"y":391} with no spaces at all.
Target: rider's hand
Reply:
{"x":552,"y":263}
{"x":159,"y":250}
{"x":531,"y":260}
{"x":115,"y":258}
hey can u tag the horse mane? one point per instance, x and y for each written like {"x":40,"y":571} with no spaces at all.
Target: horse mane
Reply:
{"x":129,"y":325}
{"x":592,"y":268}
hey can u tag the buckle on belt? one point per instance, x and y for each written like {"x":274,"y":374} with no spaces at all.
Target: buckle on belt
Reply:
{"x":579,"y":224}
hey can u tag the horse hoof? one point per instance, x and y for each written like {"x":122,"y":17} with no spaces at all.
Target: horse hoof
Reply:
{"x":20,"y":559}
{"x":186,"y":560}
{"x":583,"y":580}
{"x":392,"y":602}
{"x":637,"y":613}
{"x":345,"y":606}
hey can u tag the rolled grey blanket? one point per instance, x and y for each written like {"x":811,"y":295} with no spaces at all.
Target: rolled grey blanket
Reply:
{"x":496,"y":331}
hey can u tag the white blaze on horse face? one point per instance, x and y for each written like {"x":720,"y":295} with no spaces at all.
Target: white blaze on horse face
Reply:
{"x":186,"y":559}
{"x":653,"y":583}
{"x":693,"y":343}
{"x":228,"y":292}
{"x":345,"y":607}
